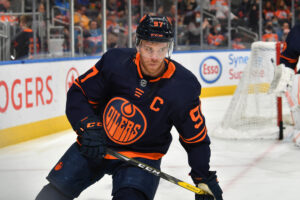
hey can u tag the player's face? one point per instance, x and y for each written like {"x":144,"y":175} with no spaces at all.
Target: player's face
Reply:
{"x":152,"y":57}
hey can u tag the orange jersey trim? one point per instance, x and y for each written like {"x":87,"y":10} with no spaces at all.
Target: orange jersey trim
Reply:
{"x":203,"y":133}
{"x":27,"y":30}
{"x":93,"y":102}
{"x":168,"y":74}
{"x":137,"y":63}
{"x":143,"y":18}
{"x":75,"y":82}
{"x":131,"y":154}
{"x":290,"y":60}
{"x":93,"y":73}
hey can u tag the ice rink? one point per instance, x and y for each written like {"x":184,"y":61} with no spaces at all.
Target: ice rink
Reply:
{"x":247,"y":170}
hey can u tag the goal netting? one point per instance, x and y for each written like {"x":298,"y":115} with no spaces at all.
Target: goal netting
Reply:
{"x":253,"y":113}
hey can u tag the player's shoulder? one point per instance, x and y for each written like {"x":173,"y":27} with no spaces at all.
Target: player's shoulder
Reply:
{"x":296,"y":28}
{"x":115,"y":58}
{"x":293,"y":38}
{"x":119,"y":53}
{"x":295,"y":31}
{"x":184,"y":77}
{"x":184,"y":82}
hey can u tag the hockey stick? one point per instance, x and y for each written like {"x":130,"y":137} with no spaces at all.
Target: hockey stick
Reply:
{"x":157,"y":172}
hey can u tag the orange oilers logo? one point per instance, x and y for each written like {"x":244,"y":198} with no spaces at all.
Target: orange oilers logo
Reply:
{"x":58,"y":166}
{"x":123,"y":122}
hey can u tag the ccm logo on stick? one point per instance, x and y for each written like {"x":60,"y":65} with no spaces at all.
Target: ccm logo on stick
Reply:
{"x":32,"y":91}
{"x":151,"y":170}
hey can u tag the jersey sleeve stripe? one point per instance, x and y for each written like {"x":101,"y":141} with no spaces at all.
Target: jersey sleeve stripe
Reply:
{"x":77,"y":84}
{"x":290,"y":60}
{"x":93,"y":73}
{"x":198,"y":138}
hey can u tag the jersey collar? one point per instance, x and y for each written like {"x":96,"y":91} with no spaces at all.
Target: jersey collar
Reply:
{"x":167,"y":74}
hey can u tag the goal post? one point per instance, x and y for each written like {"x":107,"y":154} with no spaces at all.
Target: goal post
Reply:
{"x":253,"y":112}
{"x":279,"y":99}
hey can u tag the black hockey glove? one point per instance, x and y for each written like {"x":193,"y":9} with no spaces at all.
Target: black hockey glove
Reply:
{"x":211,"y":185}
{"x":91,"y":137}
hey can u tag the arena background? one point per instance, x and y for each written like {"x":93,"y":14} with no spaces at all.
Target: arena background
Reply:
{"x":70,"y":36}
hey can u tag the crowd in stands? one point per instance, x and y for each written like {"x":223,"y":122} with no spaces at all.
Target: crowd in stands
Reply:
{"x":204,"y":30}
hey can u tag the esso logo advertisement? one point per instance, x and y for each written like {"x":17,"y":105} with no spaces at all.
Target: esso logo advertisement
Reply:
{"x":210,"y":69}
{"x":71,"y":76}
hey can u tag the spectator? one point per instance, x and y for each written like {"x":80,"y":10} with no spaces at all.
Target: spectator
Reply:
{"x":268,"y":11}
{"x":111,"y":20}
{"x":254,"y":17}
{"x":243,"y":10}
{"x":42,"y":26}
{"x":190,"y":5}
{"x":116,"y":6}
{"x":23,"y":43}
{"x":79,"y":34}
{"x":286,"y":2}
{"x":276,"y":26}
{"x":81,"y":18}
{"x":66,"y":42}
{"x":237,"y":42}
{"x":215,"y":37}
{"x":112,"y":37}
{"x":282,"y":11}
{"x":93,"y":42}
{"x":269,"y":36}
{"x":285,"y":30}
{"x":60,"y":18}
{"x":222,"y":9}
{"x":5,"y":8}
{"x":194,"y":27}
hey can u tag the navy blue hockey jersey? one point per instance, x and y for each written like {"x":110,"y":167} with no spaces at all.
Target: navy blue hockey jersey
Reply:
{"x":138,"y":112}
{"x":291,"y":50}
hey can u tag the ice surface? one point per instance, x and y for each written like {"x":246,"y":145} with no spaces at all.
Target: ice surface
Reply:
{"x":247,"y":170}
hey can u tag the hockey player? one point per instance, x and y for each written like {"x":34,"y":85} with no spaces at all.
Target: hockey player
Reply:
{"x":129,"y":102}
{"x":286,"y":82}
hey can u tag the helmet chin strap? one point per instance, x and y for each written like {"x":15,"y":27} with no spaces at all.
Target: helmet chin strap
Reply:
{"x":170,"y":51}
{"x":170,"y":48}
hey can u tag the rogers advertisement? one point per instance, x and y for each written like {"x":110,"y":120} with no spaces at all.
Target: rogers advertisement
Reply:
{"x":36,"y":91}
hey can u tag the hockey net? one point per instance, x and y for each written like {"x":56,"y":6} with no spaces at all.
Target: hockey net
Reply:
{"x":253,"y":113}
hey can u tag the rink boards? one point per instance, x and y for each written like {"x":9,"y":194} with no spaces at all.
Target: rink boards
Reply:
{"x":33,"y":93}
